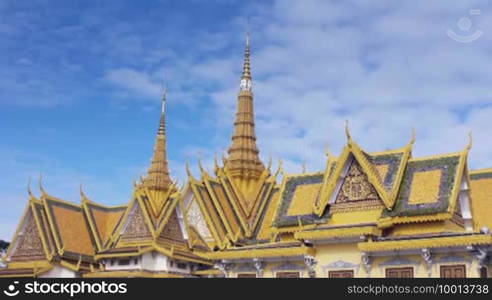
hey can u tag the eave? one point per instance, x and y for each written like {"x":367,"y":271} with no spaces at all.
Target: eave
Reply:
{"x":274,"y":251}
{"x":438,"y":242}
{"x":129,"y":273}
{"x":337,"y":233}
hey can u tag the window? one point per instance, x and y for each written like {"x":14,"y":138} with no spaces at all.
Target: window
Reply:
{"x":341,"y":274}
{"x":181,"y":266}
{"x":483,"y":272}
{"x":288,"y":275}
{"x":246,"y":275}
{"x":124,"y":262}
{"x":399,"y":272}
{"x":455,"y":271}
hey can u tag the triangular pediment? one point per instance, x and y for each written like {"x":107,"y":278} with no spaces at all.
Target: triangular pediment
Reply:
{"x":136,"y":227}
{"x":383,"y":171}
{"x":172,"y":230}
{"x":27,"y":244}
{"x":356,"y":186}
{"x":196,"y":219}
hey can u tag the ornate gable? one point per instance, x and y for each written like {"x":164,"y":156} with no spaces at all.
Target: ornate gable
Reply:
{"x":356,"y":192}
{"x":28,"y":245}
{"x":136,"y":227}
{"x":196,"y":219}
{"x":172,"y":230}
{"x":356,"y":186}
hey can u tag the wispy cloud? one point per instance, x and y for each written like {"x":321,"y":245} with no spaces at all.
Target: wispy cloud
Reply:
{"x":385,"y":66}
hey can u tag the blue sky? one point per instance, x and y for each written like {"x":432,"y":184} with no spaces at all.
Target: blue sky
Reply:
{"x":80,"y":85}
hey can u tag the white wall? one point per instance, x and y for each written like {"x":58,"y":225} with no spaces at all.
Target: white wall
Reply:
{"x":59,"y":272}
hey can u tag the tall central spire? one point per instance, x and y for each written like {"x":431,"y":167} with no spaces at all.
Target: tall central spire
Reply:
{"x":243,"y":160}
{"x":158,"y":174}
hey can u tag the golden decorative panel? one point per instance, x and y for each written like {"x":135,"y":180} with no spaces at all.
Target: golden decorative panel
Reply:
{"x":29,"y":243}
{"x":136,"y":226}
{"x":303,"y":199}
{"x":356,"y":186}
{"x":425,"y":187}
{"x":172,"y":229}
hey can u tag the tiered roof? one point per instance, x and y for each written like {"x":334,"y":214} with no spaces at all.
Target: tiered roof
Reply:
{"x":53,"y":231}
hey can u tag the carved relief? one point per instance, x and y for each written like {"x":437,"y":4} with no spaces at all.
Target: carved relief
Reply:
{"x":356,"y":186}
{"x":29,"y":245}
{"x":196,"y":219}
{"x":172,"y":230}
{"x":136,"y":227}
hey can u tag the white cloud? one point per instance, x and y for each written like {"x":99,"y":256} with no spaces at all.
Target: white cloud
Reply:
{"x":385,"y":66}
{"x":135,"y":82}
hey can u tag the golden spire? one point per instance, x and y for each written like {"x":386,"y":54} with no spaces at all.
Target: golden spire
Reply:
{"x":246,"y":64}
{"x":158,"y":174}
{"x":243,"y":160}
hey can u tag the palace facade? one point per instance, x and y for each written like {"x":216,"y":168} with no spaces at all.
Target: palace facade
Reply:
{"x":382,"y":214}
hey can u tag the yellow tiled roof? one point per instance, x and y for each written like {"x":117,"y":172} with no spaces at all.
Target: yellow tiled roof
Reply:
{"x":481,"y":195}
{"x":73,"y":230}
{"x":264,"y":230}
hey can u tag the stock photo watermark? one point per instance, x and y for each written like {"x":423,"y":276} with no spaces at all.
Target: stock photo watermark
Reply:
{"x":466,"y":32}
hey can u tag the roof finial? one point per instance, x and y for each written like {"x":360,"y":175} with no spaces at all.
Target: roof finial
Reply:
{"x":347,"y":131}
{"x":328,"y":152}
{"x":187,"y":166}
{"x":270,"y":161}
{"x":470,"y":141}
{"x":224,"y":159}
{"x":246,"y":76}
{"x":41,"y":188}
{"x":280,"y":168}
{"x":162,"y":123}
{"x":216,"y":163}
{"x":81,"y":190}
{"x":202,"y":169}
{"x":414,"y":136}
{"x":29,"y":190}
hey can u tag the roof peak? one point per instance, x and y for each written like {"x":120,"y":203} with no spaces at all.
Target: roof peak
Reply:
{"x":158,"y":173}
{"x":243,"y":160}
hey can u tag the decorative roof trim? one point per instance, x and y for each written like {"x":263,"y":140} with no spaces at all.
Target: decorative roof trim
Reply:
{"x":261,"y":253}
{"x":439,"y":242}
{"x":337,"y":233}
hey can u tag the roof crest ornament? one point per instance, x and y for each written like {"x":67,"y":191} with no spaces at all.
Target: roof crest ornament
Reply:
{"x":347,"y":131}
{"x":29,"y":190}
{"x":413,"y":137}
{"x":470,"y":141}
{"x":41,"y":188}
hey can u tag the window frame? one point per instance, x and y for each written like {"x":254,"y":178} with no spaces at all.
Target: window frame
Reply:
{"x":399,"y":269}
{"x":441,"y":271}
{"x":341,"y":271}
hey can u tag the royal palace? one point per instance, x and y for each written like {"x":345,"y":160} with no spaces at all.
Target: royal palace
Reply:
{"x":381,"y":214}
